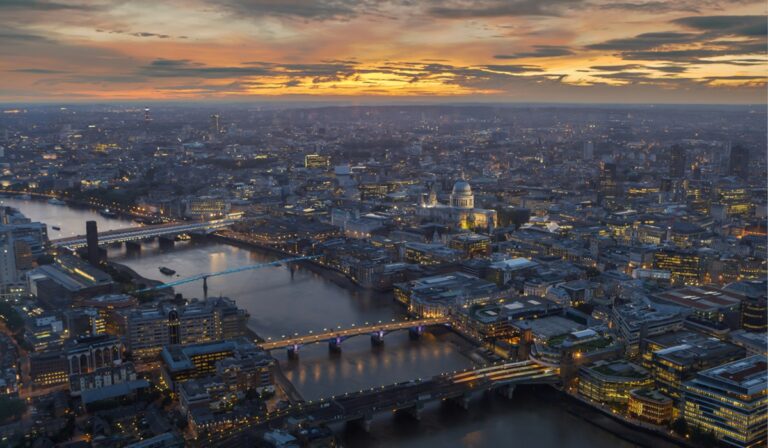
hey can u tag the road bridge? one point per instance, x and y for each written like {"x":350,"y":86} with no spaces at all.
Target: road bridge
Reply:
{"x":144,"y":232}
{"x":334,"y":337}
{"x":409,"y":396}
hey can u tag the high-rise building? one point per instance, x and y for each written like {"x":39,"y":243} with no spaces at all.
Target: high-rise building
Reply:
{"x":588,"y":151}
{"x":92,"y":240}
{"x":608,"y":189}
{"x":730,"y":401}
{"x":738,"y":162}
{"x":8,"y":274}
{"x":677,"y":162}
{"x":215,"y":125}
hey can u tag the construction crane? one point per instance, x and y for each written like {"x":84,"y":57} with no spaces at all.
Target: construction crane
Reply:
{"x":204,"y":277}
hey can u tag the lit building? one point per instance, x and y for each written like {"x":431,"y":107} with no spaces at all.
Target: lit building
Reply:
{"x":184,"y":362}
{"x":206,"y":207}
{"x":148,"y":330}
{"x":685,"y":267}
{"x":316,"y":161}
{"x":730,"y":401}
{"x":635,"y":323}
{"x":437,"y":296}
{"x":471,"y":245}
{"x":612,"y":381}
{"x":705,"y":304}
{"x":673,"y":365}
{"x":650,"y":405}
{"x":460,"y":212}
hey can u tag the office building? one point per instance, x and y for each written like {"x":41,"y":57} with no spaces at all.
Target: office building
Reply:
{"x":611,"y":381}
{"x":677,"y":162}
{"x":672,"y":366}
{"x":148,"y":330}
{"x":730,"y":401}
{"x":651,"y":406}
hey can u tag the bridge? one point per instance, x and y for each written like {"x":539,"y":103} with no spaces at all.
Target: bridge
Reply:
{"x":205,"y":276}
{"x":410,"y":397}
{"x":144,"y":232}
{"x":335,"y":337}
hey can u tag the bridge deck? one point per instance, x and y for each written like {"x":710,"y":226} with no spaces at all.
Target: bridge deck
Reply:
{"x":349,"y":332}
{"x":365,"y":403}
{"x":141,"y":232}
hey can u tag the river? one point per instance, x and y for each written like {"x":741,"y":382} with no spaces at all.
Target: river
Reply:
{"x":283,"y":301}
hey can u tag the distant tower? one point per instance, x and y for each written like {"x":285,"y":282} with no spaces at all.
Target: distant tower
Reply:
{"x":608,"y":189}
{"x":215,"y":127}
{"x":147,"y":116}
{"x":677,"y":162}
{"x":588,"y":151}
{"x":92,"y":239}
{"x":738,"y":163}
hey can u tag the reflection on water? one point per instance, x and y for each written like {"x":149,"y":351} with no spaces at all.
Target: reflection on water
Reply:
{"x":282,"y":301}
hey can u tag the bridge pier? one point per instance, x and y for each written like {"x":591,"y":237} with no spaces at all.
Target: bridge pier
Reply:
{"x":507,"y":391}
{"x":133,"y":247}
{"x":462,"y":400}
{"x":377,"y":338}
{"x":293,"y":352}
{"x":415,"y":411}
{"x":166,"y":241}
{"x":334,"y":345}
{"x":415,"y":332}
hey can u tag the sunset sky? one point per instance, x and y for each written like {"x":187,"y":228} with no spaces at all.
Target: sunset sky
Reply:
{"x":683,"y":51}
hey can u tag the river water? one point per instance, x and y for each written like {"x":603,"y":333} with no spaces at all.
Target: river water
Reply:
{"x":283,"y":300}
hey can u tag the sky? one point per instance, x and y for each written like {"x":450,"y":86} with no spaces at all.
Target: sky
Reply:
{"x":569,"y":51}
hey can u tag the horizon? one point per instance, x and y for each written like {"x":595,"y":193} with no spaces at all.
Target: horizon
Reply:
{"x":479,"y":51}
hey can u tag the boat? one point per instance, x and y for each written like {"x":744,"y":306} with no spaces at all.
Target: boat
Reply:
{"x":55,"y":201}
{"x":56,"y":227}
{"x":108,"y":213}
{"x":167,"y":271}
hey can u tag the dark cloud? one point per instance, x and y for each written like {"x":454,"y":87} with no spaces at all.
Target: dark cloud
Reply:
{"x":15,"y":35}
{"x":160,"y":36}
{"x":616,"y":68}
{"x":540,"y":51}
{"x":43,"y":5}
{"x":303,"y":9}
{"x":750,"y":26}
{"x":514,"y":68}
{"x":645,"y":41}
{"x":38,"y":71}
{"x":652,"y":6}
{"x":467,"y":9}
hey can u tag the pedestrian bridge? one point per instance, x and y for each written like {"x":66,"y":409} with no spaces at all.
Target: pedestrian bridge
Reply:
{"x":144,"y":232}
{"x":334,"y":337}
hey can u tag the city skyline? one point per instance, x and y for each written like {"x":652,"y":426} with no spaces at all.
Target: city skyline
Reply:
{"x":394,"y":51}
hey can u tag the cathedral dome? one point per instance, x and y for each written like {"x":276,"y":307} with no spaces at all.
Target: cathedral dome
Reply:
{"x":462,"y":187}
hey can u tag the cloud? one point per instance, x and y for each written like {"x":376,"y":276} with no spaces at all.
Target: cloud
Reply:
{"x":303,"y":9}
{"x":42,"y":5}
{"x":514,"y":68}
{"x":540,"y":51}
{"x":749,"y":26}
{"x":38,"y":71}
{"x":468,"y":9}
{"x":645,"y":41}
{"x":184,"y":68}
{"x":653,"y":6}
{"x":15,"y":35}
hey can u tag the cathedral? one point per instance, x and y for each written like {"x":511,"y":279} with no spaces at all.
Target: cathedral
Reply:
{"x":460,"y":212}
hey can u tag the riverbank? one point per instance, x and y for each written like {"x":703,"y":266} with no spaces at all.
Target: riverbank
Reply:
{"x":75,"y":203}
{"x":620,"y":427}
{"x":333,"y":275}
